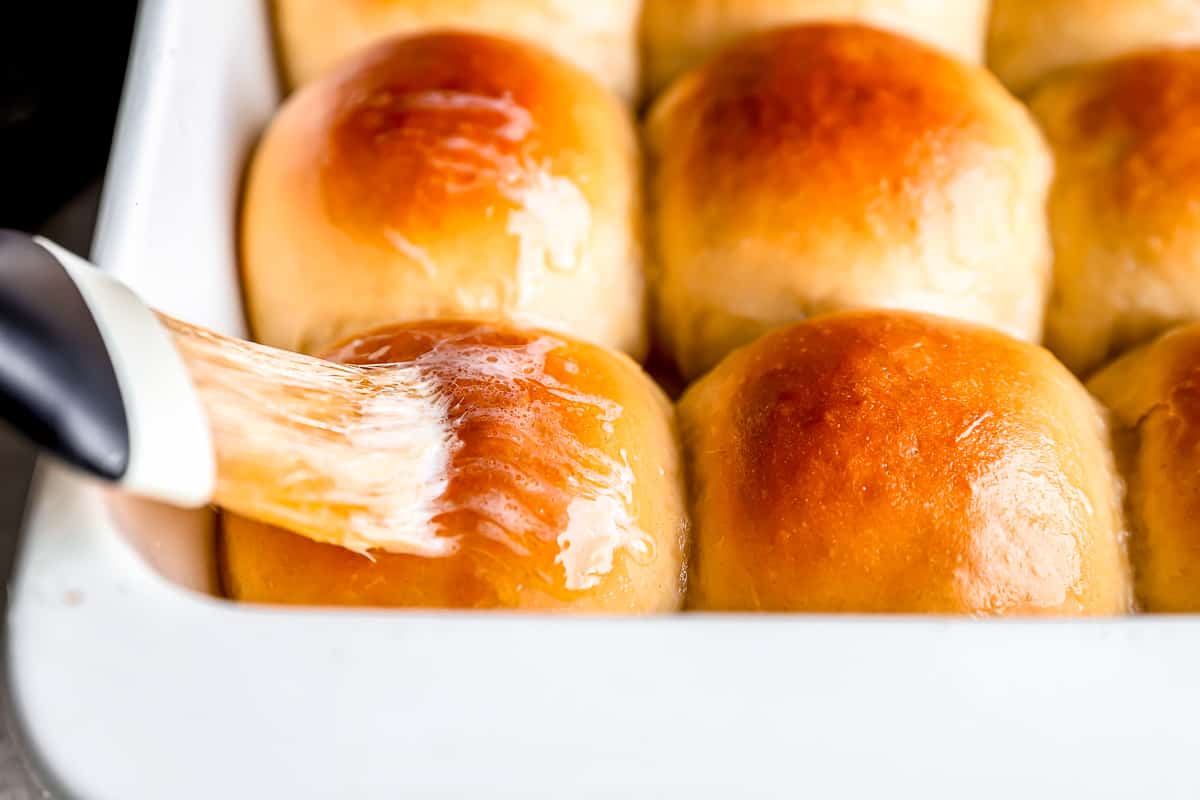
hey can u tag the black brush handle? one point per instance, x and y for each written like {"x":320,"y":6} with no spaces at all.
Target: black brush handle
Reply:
{"x":89,"y":375}
{"x":57,"y":384}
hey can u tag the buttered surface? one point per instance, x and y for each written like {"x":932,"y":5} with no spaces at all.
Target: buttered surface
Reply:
{"x":446,"y":176}
{"x":893,"y":462}
{"x":561,"y":486}
{"x":473,"y":148}
{"x":816,"y":168}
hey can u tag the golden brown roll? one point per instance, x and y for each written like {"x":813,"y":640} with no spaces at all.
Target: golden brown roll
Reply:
{"x":876,"y":461}
{"x":1154,"y":394}
{"x":599,"y":37}
{"x":1030,"y":39}
{"x":1125,"y":207}
{"x":562,"y":489}
{"x":448,"y":175}
{"x":816,"y":168}
{"x":679,"y":34}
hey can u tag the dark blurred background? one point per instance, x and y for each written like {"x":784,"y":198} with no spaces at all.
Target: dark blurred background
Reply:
{"x":61,"y":68}
{"x":62,"y":65}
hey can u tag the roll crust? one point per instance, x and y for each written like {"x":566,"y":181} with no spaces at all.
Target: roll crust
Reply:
{"x":679,"y":34}
{"x":599,"y":38}
{"x":895,"y":462}
{"x":564,"y":490}
{"x":822,"y":167}
{"x":1031,"y":39}
{"x":442,"y":176}
{"x":1125,"y":207}
{"x":1154,"y":395}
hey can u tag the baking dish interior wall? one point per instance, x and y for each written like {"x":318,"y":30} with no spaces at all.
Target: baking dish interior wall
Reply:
{"x":195,"y":104}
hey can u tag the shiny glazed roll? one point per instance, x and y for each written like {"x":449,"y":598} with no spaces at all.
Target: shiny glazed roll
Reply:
{"x":679,"y":34}
{"x":817,"y":168}
{"x":448,"y":175}
{"x":560,"y":487}
{"x":599,"y":37}
{"x":1154,"y":394}
{"x":876,"y":461}
{"x":1125,"y":208}
{"x":1030,"y":39}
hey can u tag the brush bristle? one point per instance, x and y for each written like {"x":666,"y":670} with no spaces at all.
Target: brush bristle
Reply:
{"x":355,"y":456}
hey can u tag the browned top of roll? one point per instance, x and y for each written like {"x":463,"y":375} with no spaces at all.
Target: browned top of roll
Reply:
{"x":1137,"y":122}
{"x":863,"y":114}
{"x":415,"y":138}
{"x":883,"y":461}
{"x":445,"y":175}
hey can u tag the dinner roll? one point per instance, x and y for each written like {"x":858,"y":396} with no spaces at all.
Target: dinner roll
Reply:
{"x":562,"y":490}
{"x":816,"y":168}
{"x":1029,"y":39}
{"x":1125,"y":208}
{"x":678,"y":34}
{"x":447,"y":175}
{"x":876,"y":461}
{"x":599,"y":37}
{"x":1154,"y":394}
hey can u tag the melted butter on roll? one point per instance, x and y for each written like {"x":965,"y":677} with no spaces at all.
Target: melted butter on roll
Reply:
{"x":561,"y":485}
{"x":446,"y":176}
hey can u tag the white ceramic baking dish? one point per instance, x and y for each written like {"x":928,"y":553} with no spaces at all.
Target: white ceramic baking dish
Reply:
{"x":132,"y":681}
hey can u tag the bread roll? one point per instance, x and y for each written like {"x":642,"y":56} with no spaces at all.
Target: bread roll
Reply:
{"x":448,"y":175}
{"x":823,"y":167}
{"x":679,"y":34}
{"x":563,"y":489}
{"x":1030,"y":39}
{"x":599,"y":37}
{"x":880,"y":461}
{"x":1125,"y":208}
{"x":1154,"y":394}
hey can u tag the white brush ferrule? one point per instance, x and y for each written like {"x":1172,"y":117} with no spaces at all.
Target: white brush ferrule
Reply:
{"x":170,"y":448}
